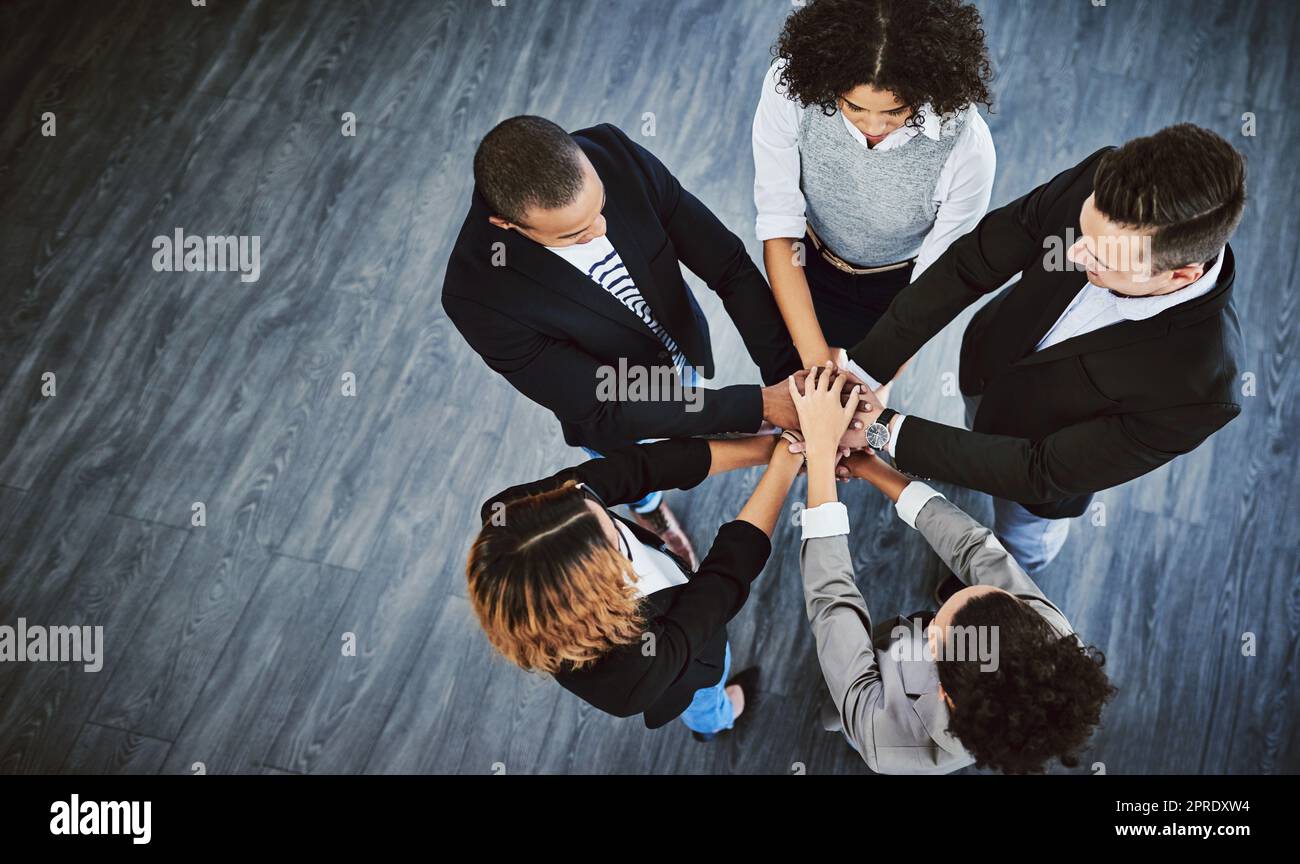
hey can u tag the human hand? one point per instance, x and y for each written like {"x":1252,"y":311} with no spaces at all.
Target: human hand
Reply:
{"x":855,"y":437}
{"x":866,"y":465}
{"x":824,"y":414}
{"x":873,"y":402}
{"x":859,"y":465}
{"x":778,"y":407}
{"x":868,"y":410}
{"x":795,"y":445}
{"x":802,"y":375}
{"x":791,"y":445}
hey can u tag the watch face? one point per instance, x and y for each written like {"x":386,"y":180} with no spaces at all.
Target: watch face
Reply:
{"x":877,"y":436}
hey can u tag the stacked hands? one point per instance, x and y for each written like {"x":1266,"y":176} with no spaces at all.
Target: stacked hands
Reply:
{"x":831,"y":409}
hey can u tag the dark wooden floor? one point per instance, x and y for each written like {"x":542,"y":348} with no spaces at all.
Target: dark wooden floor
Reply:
{"x":330,"y":515}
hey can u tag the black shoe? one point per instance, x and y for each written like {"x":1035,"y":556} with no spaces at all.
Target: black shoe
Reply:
{"x":948,"y":587}
{"x":747,"y":680}
{"x":663,"y":522}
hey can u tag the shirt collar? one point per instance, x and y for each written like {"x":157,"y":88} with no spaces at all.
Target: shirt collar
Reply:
{"x":1142,"y":308}
{"x":648,"y":573}
{"x":930,"y":127}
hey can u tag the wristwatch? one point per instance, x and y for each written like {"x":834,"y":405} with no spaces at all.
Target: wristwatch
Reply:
{"x":878,"y":432}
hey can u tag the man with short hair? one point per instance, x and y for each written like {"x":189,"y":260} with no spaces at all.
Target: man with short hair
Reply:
{"x":1116,"y":351}
{"x":567,"y":270}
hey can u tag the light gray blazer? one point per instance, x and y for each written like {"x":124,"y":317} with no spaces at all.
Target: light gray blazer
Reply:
{"x":891,"y":708}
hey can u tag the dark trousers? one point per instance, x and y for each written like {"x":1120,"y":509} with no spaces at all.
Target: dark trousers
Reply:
{"x":848,"y":306}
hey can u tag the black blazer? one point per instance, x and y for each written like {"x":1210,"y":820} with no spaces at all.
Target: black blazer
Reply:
{"x":547,"y":327}
{"x":689,"y":622}
{"x":1086,"y":414}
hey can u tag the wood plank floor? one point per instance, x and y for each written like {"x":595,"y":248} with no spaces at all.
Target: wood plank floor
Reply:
{"x":333,"y":517}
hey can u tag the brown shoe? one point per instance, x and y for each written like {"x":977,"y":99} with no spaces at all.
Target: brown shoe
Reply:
{"x":662,"y":522}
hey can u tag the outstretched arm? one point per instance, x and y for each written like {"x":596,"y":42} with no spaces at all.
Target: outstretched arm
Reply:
{"x":969,"y":549}
{"x":716,"y":255}
{"x":836,"y":609}
{"x":1003,"y":243}
{"x":562,"y":377}
{"x":1087,"y":457}
{"x":768,"y":499}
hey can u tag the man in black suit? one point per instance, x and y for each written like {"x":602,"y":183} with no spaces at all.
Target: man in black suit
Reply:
{"x":1116,"y":351}
{"x":566,"y":279}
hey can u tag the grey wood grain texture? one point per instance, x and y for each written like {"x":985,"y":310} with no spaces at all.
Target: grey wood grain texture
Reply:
{"x":102,"y":750}
{"x":45,"y":705}
{"x":329,"y":513}
{"x":248,"y":693}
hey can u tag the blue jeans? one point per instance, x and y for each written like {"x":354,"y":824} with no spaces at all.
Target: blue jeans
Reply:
{"x":710,"y":711}
{"x":1034,"y":541}
{"x":690,"y":378}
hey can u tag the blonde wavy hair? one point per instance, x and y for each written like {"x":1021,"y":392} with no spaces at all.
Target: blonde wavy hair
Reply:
{"x":549,"y":589}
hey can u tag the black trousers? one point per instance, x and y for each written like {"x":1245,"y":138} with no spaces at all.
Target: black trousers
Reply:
{"x":848,"y":306}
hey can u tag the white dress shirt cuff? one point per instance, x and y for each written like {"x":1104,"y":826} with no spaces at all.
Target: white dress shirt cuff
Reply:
{"x":893,"y":435}
{"x":872,"y":383}
{"x":915,"y":495}
{"x":770,"y":226}
{"x":826,"y":520}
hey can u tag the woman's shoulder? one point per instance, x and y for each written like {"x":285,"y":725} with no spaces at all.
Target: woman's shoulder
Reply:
{"x":968,"y":135}
{"x":969,"y":124}
{"x":772,"y":75}
{"x":777,"y":115}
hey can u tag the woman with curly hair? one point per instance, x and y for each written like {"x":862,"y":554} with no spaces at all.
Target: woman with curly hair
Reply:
{"x":562,"y":585}
{"x":996,"y":677}
{"x":870,"y":158}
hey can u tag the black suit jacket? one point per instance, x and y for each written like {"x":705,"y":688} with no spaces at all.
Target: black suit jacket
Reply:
{"x":688,"y":622}
{"x":1086,"y":414}
{"x":547,"y":327}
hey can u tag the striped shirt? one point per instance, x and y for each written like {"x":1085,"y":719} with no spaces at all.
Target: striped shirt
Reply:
{"x":600,"y":260}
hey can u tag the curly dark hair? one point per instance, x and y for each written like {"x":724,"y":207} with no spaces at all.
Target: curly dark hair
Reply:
{"x":1043,"y":700}
{"x":923,"y":51}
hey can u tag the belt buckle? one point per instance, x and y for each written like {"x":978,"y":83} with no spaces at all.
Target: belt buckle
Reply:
{"x":837,"y":262}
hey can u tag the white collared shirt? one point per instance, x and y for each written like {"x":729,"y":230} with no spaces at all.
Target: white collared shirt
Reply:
{"x":654,"y":570}
{"x":1094,"y":308}
{"x":961,"y":193}
{"x":832,"y":518}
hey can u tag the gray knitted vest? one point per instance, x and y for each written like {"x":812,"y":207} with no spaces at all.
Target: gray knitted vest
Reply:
{"x":870,"y":207}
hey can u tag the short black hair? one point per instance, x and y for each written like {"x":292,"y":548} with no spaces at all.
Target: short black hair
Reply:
{"x":1185,"y":182}
{"x":526,"y":162}
{"x":1041,"y":702}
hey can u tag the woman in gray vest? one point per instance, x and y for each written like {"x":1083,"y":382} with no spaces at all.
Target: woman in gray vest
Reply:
{"x":870,"y":158}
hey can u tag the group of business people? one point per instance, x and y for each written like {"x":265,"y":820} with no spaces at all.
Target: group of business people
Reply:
{"x":1111,"y":349}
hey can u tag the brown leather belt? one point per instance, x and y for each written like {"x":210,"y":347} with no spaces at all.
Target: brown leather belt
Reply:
{"x":840,"y":264}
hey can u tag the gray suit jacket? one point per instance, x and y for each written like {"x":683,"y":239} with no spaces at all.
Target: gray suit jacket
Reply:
{"x":891,"y":708}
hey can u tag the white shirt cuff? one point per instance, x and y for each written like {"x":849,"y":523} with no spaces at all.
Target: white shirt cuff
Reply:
{"x":893,"y":435}
{"x":915,"y":495}
{"x":853,"y":367}
{"x":825,"y":520}
{"x":770,"y":226}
